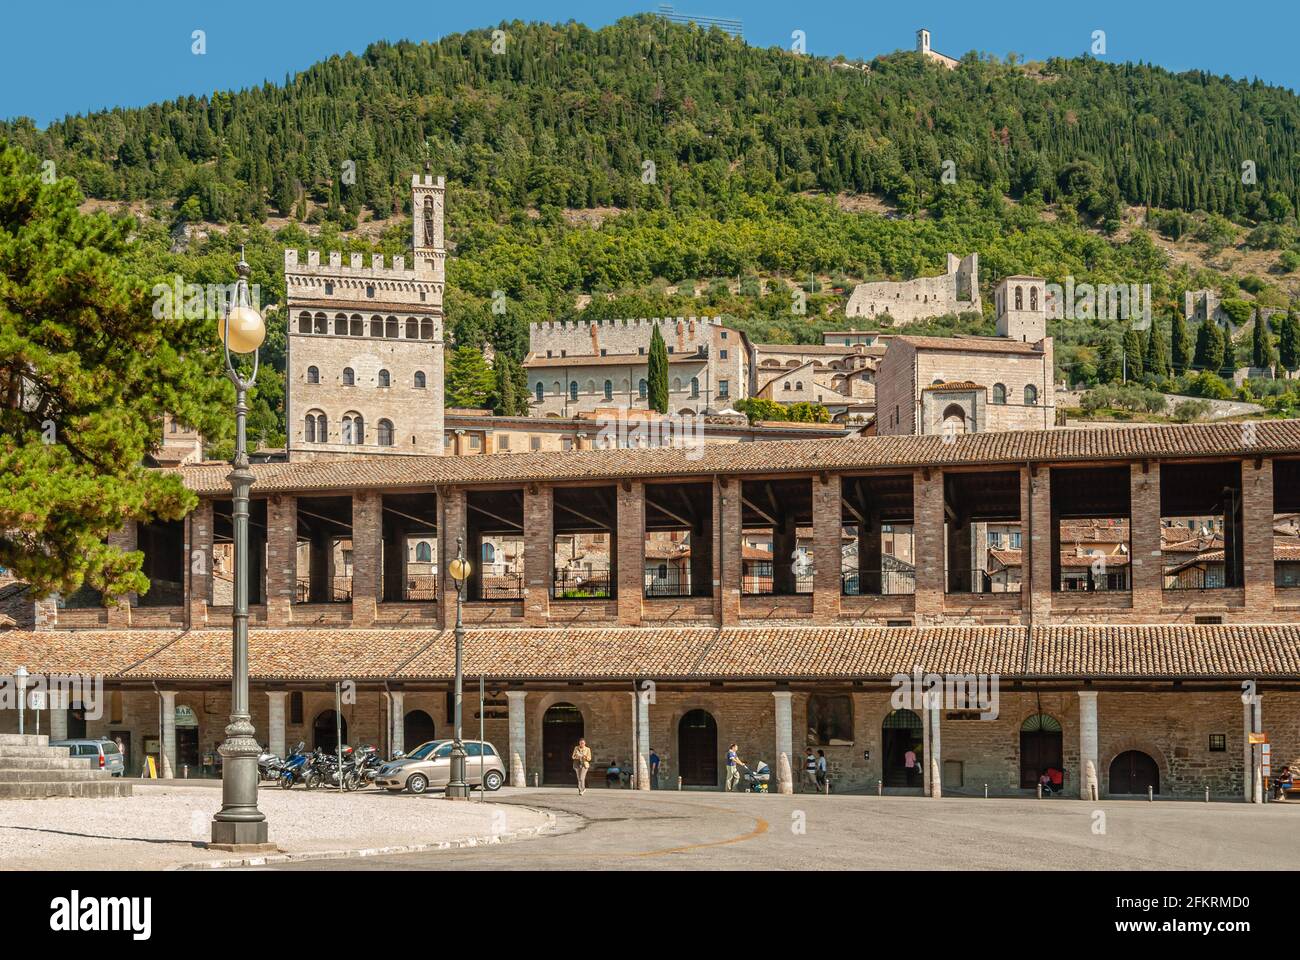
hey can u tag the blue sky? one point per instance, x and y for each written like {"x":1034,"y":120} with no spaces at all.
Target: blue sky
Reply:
{"x":83,"y":55}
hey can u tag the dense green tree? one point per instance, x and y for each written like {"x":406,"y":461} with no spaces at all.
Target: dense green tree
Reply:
{"x":1181,"y":346}
{"x":88,"y":367}
{"x":1156,"y":360}
{"x":469,"y":378}
{"x":1288,"y":342}
{"x":1209,"y":347}
{"x":1109,"y":368}
{"x":1261,"y":344}
{"x":1133,"y":354}
{"x":657,"y":373}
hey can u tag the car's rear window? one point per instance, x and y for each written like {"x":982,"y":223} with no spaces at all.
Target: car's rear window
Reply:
{"x":110,"y":746}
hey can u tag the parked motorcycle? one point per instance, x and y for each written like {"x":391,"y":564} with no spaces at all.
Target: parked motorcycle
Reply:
{"x":295,"y":767}
{"x":326,"y":770}
{"x":367,"y":765}
{"x":268,"y":766}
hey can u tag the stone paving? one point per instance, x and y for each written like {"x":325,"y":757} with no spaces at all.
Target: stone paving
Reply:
{"x":164,"y":825}
{"x":622,"y":830}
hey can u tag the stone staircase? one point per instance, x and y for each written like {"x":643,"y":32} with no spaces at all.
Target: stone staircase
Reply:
{"x":30,"y":767}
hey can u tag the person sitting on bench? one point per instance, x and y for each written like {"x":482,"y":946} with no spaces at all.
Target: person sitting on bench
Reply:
{"x":613,"y":775}
{"x":1056,"y":778}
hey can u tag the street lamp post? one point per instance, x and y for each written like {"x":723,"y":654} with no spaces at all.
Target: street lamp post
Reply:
{"x":20,"y":680}
{"x":239,"y":823}
{"x":460,"y":569}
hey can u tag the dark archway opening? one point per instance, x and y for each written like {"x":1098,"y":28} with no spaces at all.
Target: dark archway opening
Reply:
{"x":324,"y":734}
{"x":900,"y":733}
{"x":562,"y":728}
{"x":417,"y":728}
{"x":1040,"y":748}
{"x":697,"y":749}
{"x":1132,"y":772}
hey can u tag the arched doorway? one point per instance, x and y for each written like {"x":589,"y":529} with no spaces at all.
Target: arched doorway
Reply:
{"x":1040,"y":748}
{"x":900,"y":732}
{"x":324,"y":734}
{"x":562,"y":727}
{"x":697,"y":749}
{"x":1132,"y":772}
{"x":417,"y":728}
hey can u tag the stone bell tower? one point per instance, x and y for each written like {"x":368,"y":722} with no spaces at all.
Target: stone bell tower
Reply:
{"x":428,"y":201}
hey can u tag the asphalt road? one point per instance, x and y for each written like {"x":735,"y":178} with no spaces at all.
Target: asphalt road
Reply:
{"x":668,"y":830}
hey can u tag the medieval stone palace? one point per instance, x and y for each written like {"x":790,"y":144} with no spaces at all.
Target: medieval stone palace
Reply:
{"x":1123,"y":674}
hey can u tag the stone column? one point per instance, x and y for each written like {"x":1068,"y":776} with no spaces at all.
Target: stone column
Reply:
{"x":539,"y":554}
{"x":452,"y":525}
{"x":925,"y":746}
{"x":1252,"y":772}
{"x":630,"y":546}
{"x":199,"y":565}
{"x":58,"y":720}
{"x":275,"y":721}
{"x":730,"y":550}
{"x":282,"y":559}
{"x":784,"y":738}
{"x":367,"y":556}
{"x":1088,"y":745}
{"x":642,"y":706}
{"x":396,"y":721}
{"x":168,"y":757}
{"x":518,"y":738}
{"x":1257,"y":523}
{"x":1146,"y":561}
{"x":125,"y":539}
{"x":929,"y":545}
{"x":828,"y":553}
{"x":936,"y":752}
{"x":1036,"y":499}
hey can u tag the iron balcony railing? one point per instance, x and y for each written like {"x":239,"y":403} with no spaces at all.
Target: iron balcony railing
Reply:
{"x":673,"y":582}
{"x":501,"y":586}
{"x":1197,"y":580}
{"x":764,"y":584}
{"x":421,"y":587}
{"x":1093,"y":582}
{"x":339,"y":591}
{"x":583,"y":584}
{"x":876,"y":583}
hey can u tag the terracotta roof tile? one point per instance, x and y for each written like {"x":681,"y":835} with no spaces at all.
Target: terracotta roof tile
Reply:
{"x":801,"y":456}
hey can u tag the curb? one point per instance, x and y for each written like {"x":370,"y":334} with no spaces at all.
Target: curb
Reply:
{"x":523,"y":833}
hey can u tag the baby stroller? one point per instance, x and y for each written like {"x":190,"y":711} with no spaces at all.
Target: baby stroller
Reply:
{"x":755,"y":779}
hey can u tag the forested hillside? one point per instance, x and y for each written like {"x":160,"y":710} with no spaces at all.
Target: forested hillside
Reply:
{"x":663,"y":170}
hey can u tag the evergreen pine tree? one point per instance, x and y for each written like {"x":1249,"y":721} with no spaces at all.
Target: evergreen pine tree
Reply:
{"x":1261,"y":343}
{"x":469,"y":378}
{"x":1133,"y":354}
{"x":1209,"y":346}
{"x":1156,"y":361}
{"x":1288,"y":343}
{"x":1108,"y":362}
{"x":1181,"y":346}
{"x":1228,"y":364}
{"x":505,"y":403}
{"x":657,"y":373}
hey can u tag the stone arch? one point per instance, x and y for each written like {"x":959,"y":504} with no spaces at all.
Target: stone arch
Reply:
{"x":1142,"y":745}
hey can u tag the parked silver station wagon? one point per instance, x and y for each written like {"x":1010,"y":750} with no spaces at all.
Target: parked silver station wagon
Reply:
{"x":101,"y":754}
{"x":429,"y":766}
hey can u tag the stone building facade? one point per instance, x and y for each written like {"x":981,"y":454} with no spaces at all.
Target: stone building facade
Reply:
{"x":364,"y":360}
{"x":933,"y":385}
{"x":1124,"y":688}
{"x":575,"y":367}
{"x":957,"y":290}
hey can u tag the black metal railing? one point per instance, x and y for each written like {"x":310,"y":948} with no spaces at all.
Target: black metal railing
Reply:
{"x":583,"y":584}
{"x":673,"y":582}
{"x":501,"y":586}
{"x":338,"y":590}
{"x":877,"y":583}
{"x":1090,"y":581}
{"x":764,"y":584}
{"x":423,"y":586}
{"x":974,"y":580}
{"x":1196,"y":580}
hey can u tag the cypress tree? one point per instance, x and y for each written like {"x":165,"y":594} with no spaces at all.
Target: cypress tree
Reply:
{"x":1181,"y":345}
{"x":1133,"y":354}
{"x":1261,"y":344}
{"x":657,"y":373}
{"x":1288,"y":344}
{"x":1209,"y":346}
{"x":1156,"y":361}
{"x":1108,"y":366}
{"x":1229,"y":362}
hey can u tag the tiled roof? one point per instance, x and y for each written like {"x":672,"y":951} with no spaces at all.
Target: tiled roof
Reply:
{"x":671,"y":653}
{"x":801,"y":456}
{"x":954,"y":385}
{"x":973,"y":344}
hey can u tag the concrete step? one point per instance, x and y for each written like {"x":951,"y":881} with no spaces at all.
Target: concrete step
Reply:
{"x":24,"y":776}
{"x":32,"y":751}
{"x":46,"y":763}
{"x":89,"y":788}
{"x":24,"y":740}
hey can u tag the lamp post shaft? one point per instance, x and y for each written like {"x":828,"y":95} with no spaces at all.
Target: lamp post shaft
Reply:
{"x":457,"y":788}
{"x":239,"y":822}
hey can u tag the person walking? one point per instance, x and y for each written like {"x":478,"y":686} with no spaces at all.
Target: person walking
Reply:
{"x":809,"y":770}
{"x":823,"y":772}
{"x":733,"y":767}
{"x":581,"y":764}
{"x":909,"y":761}
{"x":654,"y":769}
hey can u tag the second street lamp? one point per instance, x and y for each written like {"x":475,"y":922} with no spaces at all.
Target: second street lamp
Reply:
{"x":239,"y":823}
{"x":460,"y":569}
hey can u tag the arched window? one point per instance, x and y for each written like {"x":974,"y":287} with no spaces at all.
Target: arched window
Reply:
{"x":385,"y":433}
{"x":423,"y":552}
{"x":321,"y":323}
{"x":412,"y":329}
{"x":426,"y":329}
{"x":591,"y":386}
{"x":428,"y":221}
{"x":1020,"y":299}
{"x":315,"y":428}
{"x":349,"y":377}
{"x":489,"y":553}
{"x":309,"y":428}
{"x":954,"y":420}
{"x":1031,"y":394}
{"x":541,"y":392}
{"x":999,"y":393}
{"x":376,"y":326}
{"x":341,"y":325}
{"x":313,"y":375}
{"x":419,"y":379}
{"x":556,"y":389}
{"x":304,"y":322}
{"x":354,"y":429}
{"x":787,"y":386}
{"x":798,"y":384}
{"x":609,"y":389}
{"x":358,"y":326}
{"x":384,"y":379}
{"x":390,"y":328}
{"x":695,"y":388}
{"x":677,"y":384}
{"x":642,"y":389}
{"x":1033,"y":298}
{"x":573,"y":389}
